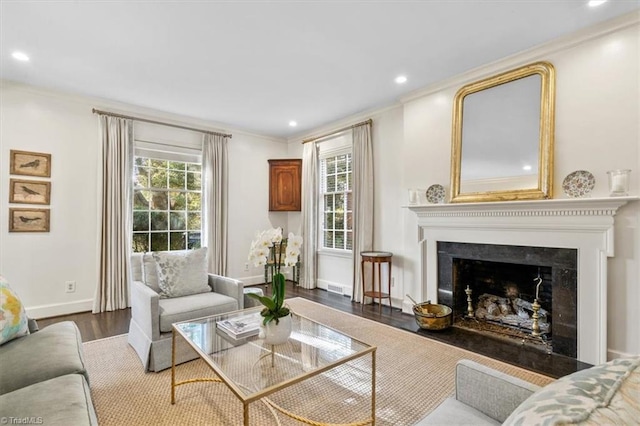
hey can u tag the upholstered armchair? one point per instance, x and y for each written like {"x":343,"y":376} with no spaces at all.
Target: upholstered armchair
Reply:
{"x":169,"y":287}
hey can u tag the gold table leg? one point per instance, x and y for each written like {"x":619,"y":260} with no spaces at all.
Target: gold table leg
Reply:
{"x":173,"y":366}
{"x":373,"y":387}
{"x":273,"y":361}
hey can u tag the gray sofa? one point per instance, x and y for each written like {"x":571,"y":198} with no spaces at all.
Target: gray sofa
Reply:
{"x":43,"y":378}
{"x":152,"y":316}
{"x":607,"y":393}
{"x":483,"y":397}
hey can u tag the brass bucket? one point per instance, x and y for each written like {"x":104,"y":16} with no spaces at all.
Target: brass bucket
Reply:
{"x":432,"y":316}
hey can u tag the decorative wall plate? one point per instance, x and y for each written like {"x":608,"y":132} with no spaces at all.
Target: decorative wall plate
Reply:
{"x":435,"y":194}
{"x":578,"y":184}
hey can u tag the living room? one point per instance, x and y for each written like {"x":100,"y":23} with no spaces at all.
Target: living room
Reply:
{"x":596,"y":129}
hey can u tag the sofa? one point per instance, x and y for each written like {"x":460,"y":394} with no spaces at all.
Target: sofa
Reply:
{"x":43,"y":378}
{"x":604,"y":394}
{"x":156,"y":304}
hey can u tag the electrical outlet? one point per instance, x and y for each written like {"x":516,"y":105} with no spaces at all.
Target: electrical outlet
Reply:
{"x":70,"y":286}
{"x":393,"y":282}
{"x":246,"y":266}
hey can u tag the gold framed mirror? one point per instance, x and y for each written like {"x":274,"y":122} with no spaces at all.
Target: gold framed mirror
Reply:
{"x":503,"y":135}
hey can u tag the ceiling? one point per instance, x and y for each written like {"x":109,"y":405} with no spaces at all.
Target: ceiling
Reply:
{"x":256,"y":65}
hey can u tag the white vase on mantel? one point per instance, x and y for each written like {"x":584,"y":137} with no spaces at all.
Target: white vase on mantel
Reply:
{"x":276,"y":334}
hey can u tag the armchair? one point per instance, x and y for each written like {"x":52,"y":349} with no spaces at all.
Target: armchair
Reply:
{"x":152,"y":316}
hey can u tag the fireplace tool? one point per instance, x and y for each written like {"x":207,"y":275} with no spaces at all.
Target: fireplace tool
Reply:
{"x":535,"y":327}
{"x":468,"y":291}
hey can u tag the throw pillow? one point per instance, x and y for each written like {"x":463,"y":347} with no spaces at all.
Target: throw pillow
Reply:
{"x":604,"y":394}
{"x":150,"y":272}
{"x":13,"y":318}
{"x":181,"y":273}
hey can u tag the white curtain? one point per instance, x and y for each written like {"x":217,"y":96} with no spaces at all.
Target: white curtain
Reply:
{"x":115,"y":197}
{"x":309,"y":256}
{"x":362,"y":202}
{"x":215,"y":175}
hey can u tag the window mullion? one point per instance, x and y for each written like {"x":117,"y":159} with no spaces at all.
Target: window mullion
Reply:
{"x":169,"y":185}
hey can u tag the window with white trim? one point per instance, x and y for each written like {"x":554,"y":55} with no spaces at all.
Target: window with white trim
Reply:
{"x":336,"y":200}
{"x":167,"y":201}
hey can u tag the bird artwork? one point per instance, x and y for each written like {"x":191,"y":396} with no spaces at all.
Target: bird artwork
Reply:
{"x":29,"y":191}
{"x":24,"y":219}
{"x":31,"y":164}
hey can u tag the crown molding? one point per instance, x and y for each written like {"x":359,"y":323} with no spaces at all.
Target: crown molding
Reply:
{"x":345,"y":122}
{"x":525,"y":56}
{"x":130,"y":109}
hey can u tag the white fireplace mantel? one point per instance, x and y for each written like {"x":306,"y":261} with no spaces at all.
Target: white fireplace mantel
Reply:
{"x":584,"y":224}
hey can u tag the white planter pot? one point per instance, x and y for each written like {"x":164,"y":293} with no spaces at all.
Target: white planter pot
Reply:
{"x":277,"y":334}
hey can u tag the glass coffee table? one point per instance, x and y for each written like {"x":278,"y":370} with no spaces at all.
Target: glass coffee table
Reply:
{"x":251,"y":369}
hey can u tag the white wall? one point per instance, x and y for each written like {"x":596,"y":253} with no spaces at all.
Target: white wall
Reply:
{"x":597,"y":129}
{"x":38,"y":264}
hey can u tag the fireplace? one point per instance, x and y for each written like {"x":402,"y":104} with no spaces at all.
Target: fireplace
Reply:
{"x":500,"y":283}
{"x":584,"y":227}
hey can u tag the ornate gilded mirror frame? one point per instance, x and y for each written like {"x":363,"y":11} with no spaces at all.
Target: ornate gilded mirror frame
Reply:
{"x":546,"y":126}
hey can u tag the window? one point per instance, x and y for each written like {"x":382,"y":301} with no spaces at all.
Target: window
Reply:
{"x":167,"y":204}
{"x":337,"y":201}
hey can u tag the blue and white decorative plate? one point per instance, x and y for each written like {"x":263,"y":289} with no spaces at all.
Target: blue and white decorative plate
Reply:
{"x":435,"y":194}
{"x":578,"y":184}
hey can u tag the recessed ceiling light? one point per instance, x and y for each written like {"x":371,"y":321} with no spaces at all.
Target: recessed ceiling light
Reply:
{"x":293,"y":123}
{"x":19,"y":56}
{"x":401,"y":79}
{"x":526,"y":167}
{"x":594,"y":3}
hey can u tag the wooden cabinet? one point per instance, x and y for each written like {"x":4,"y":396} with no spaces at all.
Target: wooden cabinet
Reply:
{"x":285,"y":185}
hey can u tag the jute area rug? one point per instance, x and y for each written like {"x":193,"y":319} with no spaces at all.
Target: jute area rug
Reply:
{"x":413,"y":376}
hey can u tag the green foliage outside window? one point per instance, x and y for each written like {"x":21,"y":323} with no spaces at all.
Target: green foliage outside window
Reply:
{"x":337,"y":220}
{"x":167,"y":205}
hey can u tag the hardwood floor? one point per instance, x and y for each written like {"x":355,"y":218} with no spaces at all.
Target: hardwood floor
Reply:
{"x":98,"y":326}
{"x":95,"y":326}
{"x":107,"y":324}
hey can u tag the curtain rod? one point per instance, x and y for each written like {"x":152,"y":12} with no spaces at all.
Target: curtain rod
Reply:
{"x":369,"y":121}
{"x":144,"y":120}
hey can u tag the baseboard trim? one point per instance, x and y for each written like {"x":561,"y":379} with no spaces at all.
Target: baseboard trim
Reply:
{"x":256,"y":279}
{"x":407,"y":307}
{"x":259,"y":279}
{"x":57,"y":309}
{"x":611,"y":354}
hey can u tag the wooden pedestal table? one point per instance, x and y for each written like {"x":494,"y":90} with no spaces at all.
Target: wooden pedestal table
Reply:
{"x":376,"y":258}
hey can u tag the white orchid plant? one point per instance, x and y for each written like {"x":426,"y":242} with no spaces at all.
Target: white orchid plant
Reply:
{"x":274,"y":308}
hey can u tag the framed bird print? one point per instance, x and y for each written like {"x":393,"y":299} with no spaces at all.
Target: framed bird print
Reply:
{"x":28,"y":220}
{"x":30,"y":163}
{"x":29,"y":191}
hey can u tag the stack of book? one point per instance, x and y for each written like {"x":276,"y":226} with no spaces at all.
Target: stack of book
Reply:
{"x":242,"y":326}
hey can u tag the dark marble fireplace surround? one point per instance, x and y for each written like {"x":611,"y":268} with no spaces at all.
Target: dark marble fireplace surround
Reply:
{"x":489,"y":268}
{"x":558,"y":268}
